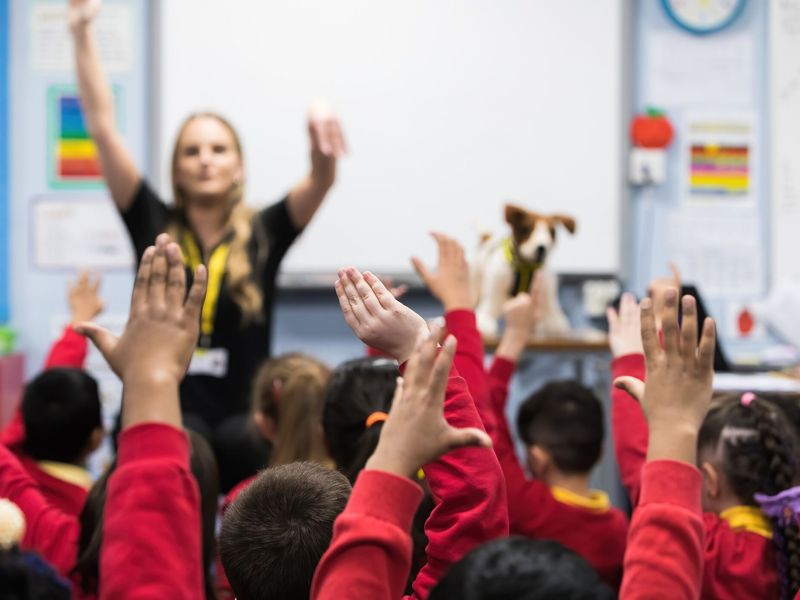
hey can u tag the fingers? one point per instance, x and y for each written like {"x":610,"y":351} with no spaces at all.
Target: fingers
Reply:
{"x":339,"y":141}
{"x":347,"y":311}
{"x":158,"y":274}
{"x":648,"y":327}
{"x":142,"y":283}
{"x":705,"y":351}
{"x":441,"y":370}
{"x":633,"y":386}
{"x":102,"y":338}
{"x":676,"y":275}
{"x":421,"y":270}
{"x":176,"y":277}
{"x":613,"y":319}
{"x":670,"y":322}
{"x":628,"y":307}
{"x":689,"y":330}
{"x":426,"y":357}
{"x":383,"y":295}
{"x":365,"y":292}
{"x":351,"y":294}
{"x":197,"y":294}
{"x":462,"y":438}
{"x":536,"y":284}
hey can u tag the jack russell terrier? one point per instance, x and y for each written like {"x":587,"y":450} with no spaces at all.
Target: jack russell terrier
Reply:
{"x":504,"y":268}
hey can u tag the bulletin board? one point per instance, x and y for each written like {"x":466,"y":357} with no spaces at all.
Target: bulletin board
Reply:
{"x":4,"y":265}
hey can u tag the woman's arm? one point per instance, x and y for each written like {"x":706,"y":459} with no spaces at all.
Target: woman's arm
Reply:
{"x":327,"y":146}
{"x":97,"y":101}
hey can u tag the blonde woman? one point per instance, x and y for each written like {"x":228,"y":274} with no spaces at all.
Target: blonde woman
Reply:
{"x":241,"y":247}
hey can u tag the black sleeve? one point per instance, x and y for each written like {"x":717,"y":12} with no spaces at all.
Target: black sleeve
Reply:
{"x":279,"y":229}
{"x":146,"y":218}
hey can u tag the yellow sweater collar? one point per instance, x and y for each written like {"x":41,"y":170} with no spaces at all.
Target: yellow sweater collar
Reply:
{"x":597,"y":500}
{"x":747,"y":518}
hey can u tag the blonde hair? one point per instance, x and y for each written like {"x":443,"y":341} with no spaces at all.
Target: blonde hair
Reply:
{"x":290,"y":390}
{"x":243,"y":290}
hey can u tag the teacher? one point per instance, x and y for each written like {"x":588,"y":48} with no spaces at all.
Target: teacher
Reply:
{"x":241,"y":247}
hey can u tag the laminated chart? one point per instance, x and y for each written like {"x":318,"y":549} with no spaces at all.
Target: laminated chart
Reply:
{"x":720,"y":169}
{"x":73,"y":160}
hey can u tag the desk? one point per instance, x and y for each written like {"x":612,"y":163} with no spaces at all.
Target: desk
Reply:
{"x":581,"y":343}
{"x":756,"y":382}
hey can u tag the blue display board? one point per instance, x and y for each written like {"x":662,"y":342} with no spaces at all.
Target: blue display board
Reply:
{"x":4,"y":264}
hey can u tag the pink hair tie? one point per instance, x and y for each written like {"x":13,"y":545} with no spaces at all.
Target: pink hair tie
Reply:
{"x":747,"y":398}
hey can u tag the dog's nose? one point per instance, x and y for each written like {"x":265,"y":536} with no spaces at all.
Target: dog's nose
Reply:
{"x":540,"y":254}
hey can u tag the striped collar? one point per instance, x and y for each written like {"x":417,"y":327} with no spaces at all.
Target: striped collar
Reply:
{"x":747,"y":518}
{"x":597,"y":501}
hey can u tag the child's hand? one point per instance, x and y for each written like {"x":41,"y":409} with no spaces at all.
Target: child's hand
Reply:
{"x":376,"y":317}
{"x":450,"y":283}
{"x":625,"y":327}
{"x":162,"y":329}
{"x":522,"y":313}
{"x":416,"y":432}
{"x":658,"y":288}
{"x":677,"y":395}
{"x":82,"y":12}
{"x":84,"y":301}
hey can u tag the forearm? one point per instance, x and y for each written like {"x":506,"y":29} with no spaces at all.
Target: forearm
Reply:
{"x":512,"y":344}
{"x":97,"y":99}
{"x":150,"y":401}
{"x":307,"y":195}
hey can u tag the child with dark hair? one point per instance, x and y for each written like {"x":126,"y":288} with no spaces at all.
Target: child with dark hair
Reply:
{"x":562,"y":427}
{"x":59,"y":422}
{"x":745,"y":449}
{"x":522,"y":569}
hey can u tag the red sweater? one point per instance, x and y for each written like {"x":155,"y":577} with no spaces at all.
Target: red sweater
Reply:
{"x":738,"y":563}
{"x":152,"y":541}
{"x":370,"y":554}
{"x":68,"y":351}
{"x":594,"y":530}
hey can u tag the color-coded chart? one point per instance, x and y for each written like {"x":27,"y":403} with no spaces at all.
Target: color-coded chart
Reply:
{"x":720,"y":169}
{"x":76,"y":155}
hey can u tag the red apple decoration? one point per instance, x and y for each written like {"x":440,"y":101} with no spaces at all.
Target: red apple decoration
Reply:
{"x":651,"y":130}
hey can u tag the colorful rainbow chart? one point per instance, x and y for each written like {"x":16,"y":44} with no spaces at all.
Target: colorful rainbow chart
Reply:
{"x":722,"y":170}
{"x":76,"y":155}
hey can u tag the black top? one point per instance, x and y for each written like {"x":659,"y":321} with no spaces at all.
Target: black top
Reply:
{"x":214,"y":398}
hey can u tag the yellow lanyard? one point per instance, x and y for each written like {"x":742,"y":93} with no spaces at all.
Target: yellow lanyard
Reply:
{"x":216,"y":271}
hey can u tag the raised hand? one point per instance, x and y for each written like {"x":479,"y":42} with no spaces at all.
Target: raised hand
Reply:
{"x":82,"y":12}
{"x":658,"y":288}
{"x":163,"y":323}
{"x":522,"y":313}
{"x":625,"y":327}
{"x":416,"y":432}
{"x":325,"y":130}
{"x":85,"y":302}
{"x":376,"y":317}
{"x":450,"y":283}
{"x":677,"y":395}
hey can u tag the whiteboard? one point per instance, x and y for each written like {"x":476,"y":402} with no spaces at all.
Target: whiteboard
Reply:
{"x":451,"y":108}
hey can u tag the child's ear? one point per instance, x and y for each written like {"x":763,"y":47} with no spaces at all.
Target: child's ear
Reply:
{"x":538,"y":461}
{"x":515,"y":215}
{"x":95,"y":439}
{"x":711,"y":483}
{"x":568,"y":222}
{"x":266,"y":426}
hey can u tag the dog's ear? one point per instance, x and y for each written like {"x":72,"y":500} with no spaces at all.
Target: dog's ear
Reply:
{"x":568,"y":222}
{"x":515,"y":215}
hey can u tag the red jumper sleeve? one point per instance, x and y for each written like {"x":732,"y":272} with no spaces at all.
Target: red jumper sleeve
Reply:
{"x":151,"y":543}
{"x":467,"y":485}
{"x":469,"y":360}
{"x":629,"y":425}
{"x":68,"y":351}
{"x":664,"y":558}
{"x":370,"y":554}
{"x":49,"y":531}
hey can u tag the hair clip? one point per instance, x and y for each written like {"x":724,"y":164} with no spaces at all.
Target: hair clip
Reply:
{"x":784,"y":506}
{"x":747,"y":398}
{"x":376,"y":417}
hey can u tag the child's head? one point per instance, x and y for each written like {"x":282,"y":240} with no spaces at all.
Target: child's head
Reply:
{"x":278,"y":528}
{"x":562,"y":426}
{"x":358,"y":397}
{"x":288,"y":397}
{"x":523,"y":569}
{"x":62,"y":416}
{"x":26,"y":576}
{"x":746,"y":446}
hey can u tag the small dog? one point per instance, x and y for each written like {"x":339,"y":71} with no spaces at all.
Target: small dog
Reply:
{"x":504,"y":268}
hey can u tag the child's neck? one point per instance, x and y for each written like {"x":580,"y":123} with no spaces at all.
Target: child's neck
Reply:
{"x":577,"y":484}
